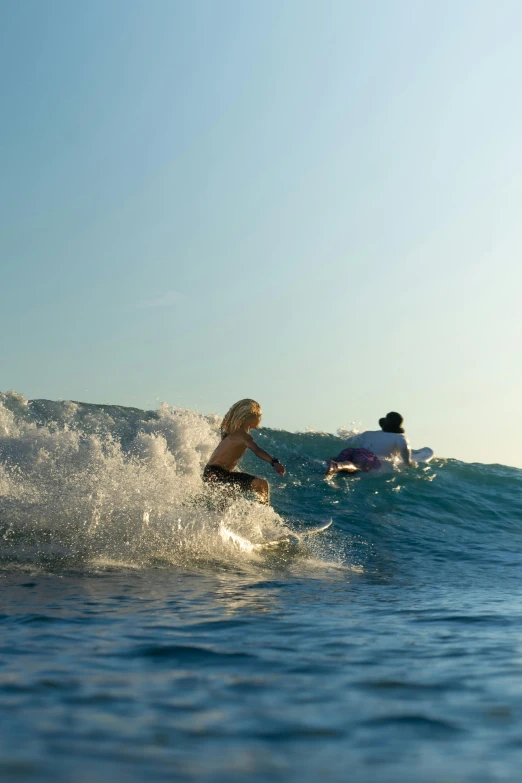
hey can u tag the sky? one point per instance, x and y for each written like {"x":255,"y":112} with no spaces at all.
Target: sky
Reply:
{"x":314,"y":204}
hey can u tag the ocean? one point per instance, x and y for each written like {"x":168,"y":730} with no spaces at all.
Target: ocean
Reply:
{"x":138,"y":642}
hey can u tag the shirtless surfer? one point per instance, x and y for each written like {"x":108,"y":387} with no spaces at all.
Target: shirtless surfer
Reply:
{"x":364,"y":449}
{"x":243,"y":416}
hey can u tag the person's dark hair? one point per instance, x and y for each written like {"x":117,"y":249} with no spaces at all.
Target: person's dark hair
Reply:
{"x":392,"y":423}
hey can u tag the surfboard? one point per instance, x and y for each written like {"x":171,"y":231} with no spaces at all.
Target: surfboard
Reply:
{"x":292,"y":537}
{"x":311,"y":531}
{"x":422,"y":455}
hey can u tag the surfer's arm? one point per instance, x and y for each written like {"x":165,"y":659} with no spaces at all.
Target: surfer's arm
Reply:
{"x":406,"y":457}
{"x":264,"y":455}
{"x":403,"y":447}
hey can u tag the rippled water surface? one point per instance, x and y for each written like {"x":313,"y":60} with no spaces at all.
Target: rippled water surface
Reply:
{"x":137,"y":644}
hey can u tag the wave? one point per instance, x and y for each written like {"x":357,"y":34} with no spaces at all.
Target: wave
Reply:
{"x":84,"y":483}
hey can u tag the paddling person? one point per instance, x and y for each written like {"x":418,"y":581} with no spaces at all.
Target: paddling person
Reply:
{"x":364,"y":449}
{"x":243,"y":416}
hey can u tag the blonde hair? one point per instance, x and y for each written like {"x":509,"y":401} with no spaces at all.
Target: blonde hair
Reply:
{"x":238,"y":414}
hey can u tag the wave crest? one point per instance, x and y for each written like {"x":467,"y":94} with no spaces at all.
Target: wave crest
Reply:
{"x":87,"y":482}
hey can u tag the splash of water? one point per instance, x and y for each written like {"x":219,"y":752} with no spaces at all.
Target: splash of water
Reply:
{"x":82,"y":483}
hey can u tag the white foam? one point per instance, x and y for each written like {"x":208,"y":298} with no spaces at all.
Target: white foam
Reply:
{"x":113,"y":485}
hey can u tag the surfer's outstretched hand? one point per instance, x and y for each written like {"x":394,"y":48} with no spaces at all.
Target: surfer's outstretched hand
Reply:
{"x":279,"y":468}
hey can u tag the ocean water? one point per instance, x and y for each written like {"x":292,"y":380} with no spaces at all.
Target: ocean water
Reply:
{"x":137,"y":642}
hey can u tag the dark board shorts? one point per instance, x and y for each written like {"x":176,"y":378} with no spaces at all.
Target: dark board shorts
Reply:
{"x":215,"y":474}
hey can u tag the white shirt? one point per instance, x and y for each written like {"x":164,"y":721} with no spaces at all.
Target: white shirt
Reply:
{"x":382,"y":444}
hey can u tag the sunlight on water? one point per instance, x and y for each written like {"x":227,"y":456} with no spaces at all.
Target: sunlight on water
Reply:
{"x":148,"y":631}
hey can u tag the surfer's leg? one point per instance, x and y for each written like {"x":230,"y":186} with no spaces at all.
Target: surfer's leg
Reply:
{"x":332,"y":467}
{"x":346,"y":467}
{"x":262,"y":490}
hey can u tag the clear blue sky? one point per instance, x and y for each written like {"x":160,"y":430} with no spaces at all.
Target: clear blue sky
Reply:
{"x":316,"y":204}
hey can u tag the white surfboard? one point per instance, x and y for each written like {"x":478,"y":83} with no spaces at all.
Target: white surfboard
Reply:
{"x":422,"y":455}
{"x":292,"y":537}
{"x":311,"y":531}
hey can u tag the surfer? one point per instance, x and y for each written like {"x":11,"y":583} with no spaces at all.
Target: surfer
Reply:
{"x":243,"y":416}
{"x":363,"y":450}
